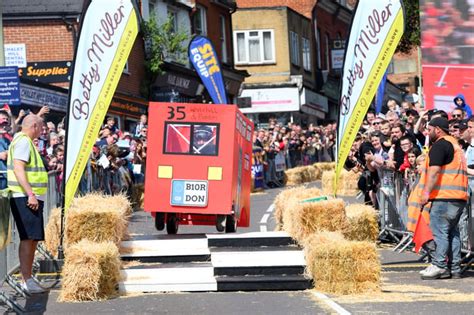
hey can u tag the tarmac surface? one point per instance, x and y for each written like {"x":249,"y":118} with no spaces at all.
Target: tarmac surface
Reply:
{"x":403,"y":292}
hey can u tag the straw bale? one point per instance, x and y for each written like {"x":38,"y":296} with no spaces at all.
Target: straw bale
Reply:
{"x":98,"y":218}
{"x":347,"y":184}
{"x":340,"y":266}
{"x":137,"y":196}
{"x":325,"y":166}
{"x":306,"y":218}
{"x":316,"y":172}
{"x":282,"y":199}
{"x":363,"y":223}
{"x":294,"y":176}
{"x":53,"y":231}
{"x":91,"y":272}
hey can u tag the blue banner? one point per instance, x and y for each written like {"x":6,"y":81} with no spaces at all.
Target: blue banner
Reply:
{"x":9,"y":86}
{"x":380,"y":94}
{"x":204,"y":59}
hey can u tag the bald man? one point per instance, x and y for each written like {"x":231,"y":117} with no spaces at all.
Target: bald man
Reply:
{"x":28,"y":182}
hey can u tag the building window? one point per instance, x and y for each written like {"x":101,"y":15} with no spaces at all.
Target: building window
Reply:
{"x":306,"y":54}
{"x":318,"y":47}
{"x":326,"y":51}
{"x":173,"y":15}
{"x":295,"y":48}
{"x":223,"y":38}
{"x":254,"y":47}
{"x":191,"y":138}
{"x":200,"y":21}
{"x":151,"y":7}
{"x":126,"y":69}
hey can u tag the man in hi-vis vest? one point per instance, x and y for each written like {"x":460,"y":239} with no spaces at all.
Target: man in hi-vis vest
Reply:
{"x":444,"y":184}
{"x":28,"y":182}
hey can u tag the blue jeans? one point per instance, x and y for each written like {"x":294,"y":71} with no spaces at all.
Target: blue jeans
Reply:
{"x":444,"y":219}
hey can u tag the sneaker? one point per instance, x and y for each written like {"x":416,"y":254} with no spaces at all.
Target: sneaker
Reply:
{"x":434,"y":272}
{"x":425,"y":270}
{"x":32,"y":287}
{"x":456,"y":275}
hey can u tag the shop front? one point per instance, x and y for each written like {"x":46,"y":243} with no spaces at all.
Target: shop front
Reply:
{"x":286,"y":104}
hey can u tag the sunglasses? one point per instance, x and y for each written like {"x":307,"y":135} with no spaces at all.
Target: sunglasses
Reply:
{"x":376,"y":123}
{"x":457,"y":115}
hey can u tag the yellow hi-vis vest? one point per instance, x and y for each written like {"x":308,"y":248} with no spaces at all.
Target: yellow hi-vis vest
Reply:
{"x":36,"y":174}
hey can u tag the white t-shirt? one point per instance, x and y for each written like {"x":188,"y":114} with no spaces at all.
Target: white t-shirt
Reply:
{"x":21,"y":151}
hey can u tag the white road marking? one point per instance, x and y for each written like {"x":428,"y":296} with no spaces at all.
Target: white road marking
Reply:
{"x":271,"y":208}
{"x":265,"y":218}
{"x":336,"y":307}
{"x":263,"y":228}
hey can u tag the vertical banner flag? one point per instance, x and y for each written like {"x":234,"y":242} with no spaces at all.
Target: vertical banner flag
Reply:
{"x":380,"y":94}
{"x":204,"y":59}
{"x":376,"y":29}
{"x":108,"y":31}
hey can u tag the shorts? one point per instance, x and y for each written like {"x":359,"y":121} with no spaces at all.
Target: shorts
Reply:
{"x":28,"y":222}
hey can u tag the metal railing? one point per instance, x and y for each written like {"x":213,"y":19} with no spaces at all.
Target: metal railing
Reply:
{"x":393,"y":204}
{"x":9,"y":262}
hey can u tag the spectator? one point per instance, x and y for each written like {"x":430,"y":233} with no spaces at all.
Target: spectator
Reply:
{"x":142,"y":124}
{"x":4,"y":144}
{"x":460,"y":103}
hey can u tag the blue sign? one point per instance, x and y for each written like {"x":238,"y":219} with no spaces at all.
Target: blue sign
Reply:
{"x":9,"y":86}
{"x":204,"y":59}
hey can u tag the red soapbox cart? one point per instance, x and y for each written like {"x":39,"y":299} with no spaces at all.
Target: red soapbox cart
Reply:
{"x":198,"y":168}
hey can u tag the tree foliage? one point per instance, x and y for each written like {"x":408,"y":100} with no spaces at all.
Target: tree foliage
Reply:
{"x":412,"y":34}
{"x":163,"y":43}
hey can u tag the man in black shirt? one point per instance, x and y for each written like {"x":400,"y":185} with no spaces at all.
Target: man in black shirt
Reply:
{"x":445,"y":186}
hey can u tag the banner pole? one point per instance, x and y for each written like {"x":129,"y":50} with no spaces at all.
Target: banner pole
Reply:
{"x":66,"y":126}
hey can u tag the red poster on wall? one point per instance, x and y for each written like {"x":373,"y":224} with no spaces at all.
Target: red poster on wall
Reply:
{"x":447,"y":43}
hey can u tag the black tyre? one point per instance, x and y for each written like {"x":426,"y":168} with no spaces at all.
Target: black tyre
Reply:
{"x":220,"y":223}
{"x":172,"y":224}
{"x":160,"y":221}
{"x":231,"y":224}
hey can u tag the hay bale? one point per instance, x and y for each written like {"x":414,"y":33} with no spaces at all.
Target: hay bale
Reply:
{"x":305,"y":219}
{"x":53,"y":231}
{"x":282,"y":200}
{"x":294,"y":176}
{"x":325,"y":166}
{"x":346,"y":186}
{"x":339,"y":266}
{"x":363,"y":223}
{"x":91,"y":272}
{"x":97,"y":218}
{"x":316,"y":172}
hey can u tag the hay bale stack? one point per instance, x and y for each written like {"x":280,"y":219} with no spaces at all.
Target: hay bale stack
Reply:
{"x":53,"y":231}
{"x":97,"y":218}
{"x":304,"y":219}
{"x":316,"y":172}
{"x":325,"y":166}
{"x":91,"y":272}
{"x":284,"y":198}
{"x":363,"y":223}
{"x":340,"y":266}
{"x":347,"y":183}
{"x":293,"y":176}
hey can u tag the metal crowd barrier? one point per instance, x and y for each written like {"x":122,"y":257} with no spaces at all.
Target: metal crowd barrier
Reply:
{"x":9,"y":263}
{"x":393,"y":205}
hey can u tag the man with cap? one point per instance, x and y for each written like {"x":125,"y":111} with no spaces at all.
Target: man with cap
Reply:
{"x":444,"y":183}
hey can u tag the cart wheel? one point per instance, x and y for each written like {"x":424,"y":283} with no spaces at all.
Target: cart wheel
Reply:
{"x":221,"y":223}
{"x":172,"y":224}
{"x":160,"y":221}
{"x":231,"y":224}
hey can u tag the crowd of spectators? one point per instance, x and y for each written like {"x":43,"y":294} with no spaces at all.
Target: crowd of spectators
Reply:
{"x":279,"y":147}
{"x":117,"y":161}
{"x":393,"y":144}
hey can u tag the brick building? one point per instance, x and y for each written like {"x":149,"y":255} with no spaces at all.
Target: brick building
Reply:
{"x":275,"y":44}
{"x":47,"y":32}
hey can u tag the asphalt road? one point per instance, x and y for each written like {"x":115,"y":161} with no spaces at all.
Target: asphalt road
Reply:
{"x":402,"y":290}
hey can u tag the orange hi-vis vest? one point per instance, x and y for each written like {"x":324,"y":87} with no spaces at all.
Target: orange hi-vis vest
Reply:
{"x":452,"y":180}
{"x":451,"y":184}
